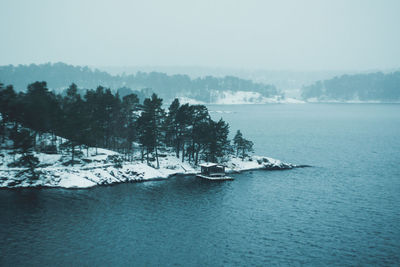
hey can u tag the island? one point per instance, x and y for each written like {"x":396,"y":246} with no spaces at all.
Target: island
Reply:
{"x":50,"y":140}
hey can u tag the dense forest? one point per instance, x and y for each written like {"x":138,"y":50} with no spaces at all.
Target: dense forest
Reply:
{"x":103,"y":119}
{"x":60,"y":75}
{"x":362,"y":87}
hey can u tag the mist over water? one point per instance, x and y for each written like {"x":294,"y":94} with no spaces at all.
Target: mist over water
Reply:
{"x":343,"y":211}
{"x":272,"y":35}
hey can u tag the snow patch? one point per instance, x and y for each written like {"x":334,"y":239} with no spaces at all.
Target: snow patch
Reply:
{"x":74,"y":180}
{"x":190,"y":101}
{"x":241,"y":98}
{"x":246,"y":97}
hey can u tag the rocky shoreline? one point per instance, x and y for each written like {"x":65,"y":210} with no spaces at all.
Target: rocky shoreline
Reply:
{"x":107,"y":167}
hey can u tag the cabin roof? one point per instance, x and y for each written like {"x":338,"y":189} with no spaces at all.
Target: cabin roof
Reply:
{"x":208,"y":164}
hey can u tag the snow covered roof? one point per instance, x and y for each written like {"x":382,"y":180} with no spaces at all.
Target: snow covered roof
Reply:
{"x":208,"y":164}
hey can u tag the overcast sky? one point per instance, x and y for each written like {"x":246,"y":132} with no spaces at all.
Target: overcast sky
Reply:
{"x":274,"y":35}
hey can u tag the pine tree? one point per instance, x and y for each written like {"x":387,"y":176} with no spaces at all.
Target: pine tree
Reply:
{"x":242,"y":145}
{"x":151,"y":121}
{"x":183,"y":122}
{"x":171,"y":126}
{"x":200,"y":118}
{"x":38,"y":106}
{"x":74,"y":119}
{"x":7,"y":101}
{"x":238,"y":142}
{"x":130,"y":105}
{"x":23,"y":143}
{"x":218,"y":144}
{"x":8,"y":109}
{"x":247,"y":147}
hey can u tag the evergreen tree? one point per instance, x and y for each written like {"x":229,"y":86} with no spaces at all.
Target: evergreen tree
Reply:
{"x":247,"y":147}
{"x":200,"y":137}
{"x":130,"y":106}
{"x":8,"y":109}
{"x":38,"y":107}
{"x":100,"y":106}
{"x":74,"y":126}
{"x":218,"y":145}
{"x":199,"y":122}
{"x":171,"y":126}
{"x":23,"y":143}
{"x":242,"y":145}
{"x":151,"y":121}
{"x":238,"y":142}
{"x":7,"y":102}
{"x":22,"y":139}
{"x":183,"y":118}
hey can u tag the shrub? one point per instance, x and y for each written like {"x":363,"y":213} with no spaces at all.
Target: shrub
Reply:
{"x":116,"y":160}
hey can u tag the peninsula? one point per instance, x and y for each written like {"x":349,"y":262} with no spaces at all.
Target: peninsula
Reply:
{"x":70,"y":141}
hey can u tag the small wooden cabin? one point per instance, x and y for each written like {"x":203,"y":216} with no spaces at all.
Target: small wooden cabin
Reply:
{"x":213,"y":171}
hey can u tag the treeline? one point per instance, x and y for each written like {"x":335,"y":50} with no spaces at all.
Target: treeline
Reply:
{"x":60,"y":75}
{"x":103,"y":119}
{"x":363,"y":87}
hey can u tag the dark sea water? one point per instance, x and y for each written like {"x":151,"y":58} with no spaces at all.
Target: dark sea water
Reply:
{"x":343,"y":211}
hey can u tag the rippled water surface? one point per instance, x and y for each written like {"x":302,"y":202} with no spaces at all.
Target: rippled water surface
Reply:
{"x":343,"y":211}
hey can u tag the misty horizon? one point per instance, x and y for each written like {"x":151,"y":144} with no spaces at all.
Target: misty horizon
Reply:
{"x":250,"y":35}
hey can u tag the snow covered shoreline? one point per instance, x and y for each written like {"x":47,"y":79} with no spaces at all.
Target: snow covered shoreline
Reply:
{"x":106,"y":169}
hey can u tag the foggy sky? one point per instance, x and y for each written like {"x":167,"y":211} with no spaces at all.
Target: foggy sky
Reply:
{"x":290,"y":35}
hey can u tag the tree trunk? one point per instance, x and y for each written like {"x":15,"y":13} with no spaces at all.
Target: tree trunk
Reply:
{"x":183,"y":152}
{"x":34,"y":140}
{"x":177,"y":148}
{"x":158,"y":163}
{"x":73,"y":154}
{"x":193,"y":145}
{"x":53,"y":138}
{"x":147,"y":156}
{"x":3,"y":139}
{"x":197,"y":155}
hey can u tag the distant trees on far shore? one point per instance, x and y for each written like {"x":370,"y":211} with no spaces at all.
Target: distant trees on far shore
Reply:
{"x":102,"y":119}
{"x":60,"y":75}
{"x":363,"y":87}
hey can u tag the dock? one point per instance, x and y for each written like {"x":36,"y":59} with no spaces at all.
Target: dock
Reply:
{"x":215,"y":178}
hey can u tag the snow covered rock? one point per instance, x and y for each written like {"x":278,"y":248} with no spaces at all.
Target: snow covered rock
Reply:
{"x":108,"y":167}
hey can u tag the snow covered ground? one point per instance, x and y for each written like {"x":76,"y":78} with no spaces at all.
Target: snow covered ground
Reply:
{"x":190,"y":101}
{"x":242,"y":98}
{"x":354,"y":101}
{"x":103,"y":169}
{"x":245,"y":97}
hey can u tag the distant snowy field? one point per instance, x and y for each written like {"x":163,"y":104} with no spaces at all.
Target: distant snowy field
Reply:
{"x":240,"y":98}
